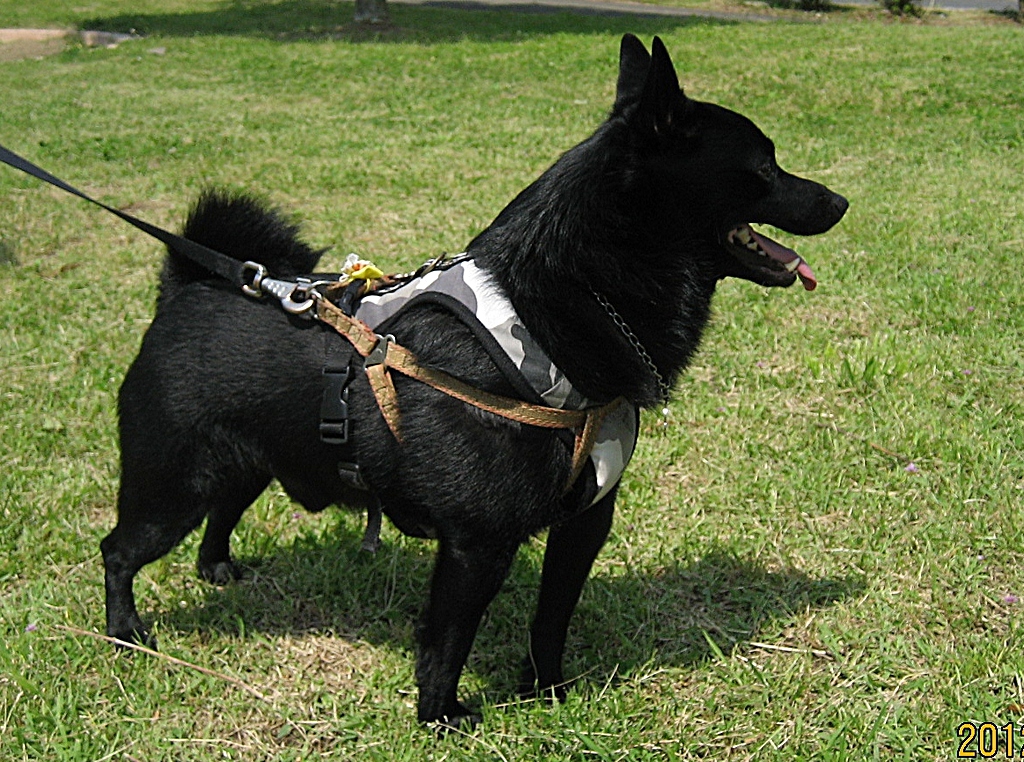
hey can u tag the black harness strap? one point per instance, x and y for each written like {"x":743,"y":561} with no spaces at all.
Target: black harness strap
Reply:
{"x":337,"y":374}
{"x":335,"y":427}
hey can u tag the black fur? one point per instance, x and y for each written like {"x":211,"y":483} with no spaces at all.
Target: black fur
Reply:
{"x":225,"y":392}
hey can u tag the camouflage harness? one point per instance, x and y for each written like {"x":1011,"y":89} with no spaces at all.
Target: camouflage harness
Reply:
{"x":603,"y":434}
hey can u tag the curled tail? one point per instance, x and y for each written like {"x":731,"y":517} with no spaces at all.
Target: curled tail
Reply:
{"x":242,"y":228}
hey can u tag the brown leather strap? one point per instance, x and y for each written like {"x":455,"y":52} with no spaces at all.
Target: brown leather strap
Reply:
{"x":586,"y":438}
{"x":357,"y":332}
{"x":387,"y":398}
{"x":404,"y":362}
{"x":585,"y":424}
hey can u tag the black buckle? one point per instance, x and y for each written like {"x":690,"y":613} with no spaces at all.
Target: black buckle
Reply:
{"x":334,"y":408}
{"x":350,"y":297}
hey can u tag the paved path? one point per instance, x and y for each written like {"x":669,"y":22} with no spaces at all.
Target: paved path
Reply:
{"x":955,"y":5}
{"x":589,"y":7}
{"x":626,"y":8}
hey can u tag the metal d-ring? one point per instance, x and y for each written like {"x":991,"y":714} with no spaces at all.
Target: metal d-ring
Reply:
{"x":255,"y":286}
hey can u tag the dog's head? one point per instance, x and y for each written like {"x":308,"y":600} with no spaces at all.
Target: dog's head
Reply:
{"x":714,"y":173}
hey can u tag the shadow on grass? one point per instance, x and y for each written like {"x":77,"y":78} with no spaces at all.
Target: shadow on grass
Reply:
{"x":431,"y":22}
{"x":659,"y":617}
{"x":7,"y":255}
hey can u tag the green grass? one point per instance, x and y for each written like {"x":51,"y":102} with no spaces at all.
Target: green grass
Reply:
{"x":778,"y":584}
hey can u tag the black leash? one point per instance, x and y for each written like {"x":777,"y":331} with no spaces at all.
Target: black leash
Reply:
{"x":242,"y":274}
{"x":252,"y":279}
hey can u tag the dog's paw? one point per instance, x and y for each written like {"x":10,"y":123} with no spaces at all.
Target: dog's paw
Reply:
{"x":220,"y":572}
{"x":553,"y":690}
{"x":136,"y":634}
{"x":458,"y":720}
{"x":463,"y":723}
{"x":553,"y":694}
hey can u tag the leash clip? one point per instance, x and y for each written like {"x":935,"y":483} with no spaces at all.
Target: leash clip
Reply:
{"x":302,"y":308}
{"x":379,"y":354}
{"x":296,"y":298}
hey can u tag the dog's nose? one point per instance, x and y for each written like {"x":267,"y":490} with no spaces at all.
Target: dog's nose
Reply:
{"x":840,"y":204}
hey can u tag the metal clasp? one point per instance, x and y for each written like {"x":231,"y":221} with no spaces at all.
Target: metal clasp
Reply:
{"x":379,"y":353}
{"x":303,"y":307}
{"x":296,"y":298}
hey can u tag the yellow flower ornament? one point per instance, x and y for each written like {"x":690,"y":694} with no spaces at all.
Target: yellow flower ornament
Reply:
{"x":360,"y":269}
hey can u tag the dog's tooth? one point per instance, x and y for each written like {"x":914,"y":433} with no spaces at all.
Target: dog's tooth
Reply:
{"x":792,"y":265}
{"x":743,"y":234}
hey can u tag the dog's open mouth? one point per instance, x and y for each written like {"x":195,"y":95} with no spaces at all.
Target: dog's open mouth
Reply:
{"x":772,"y":263}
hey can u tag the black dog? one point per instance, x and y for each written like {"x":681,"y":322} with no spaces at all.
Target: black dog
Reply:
{"x":610,"y":260}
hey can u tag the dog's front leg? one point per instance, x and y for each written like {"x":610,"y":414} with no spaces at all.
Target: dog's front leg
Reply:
{"x":467,"y":575}
{"x":571,"y":549}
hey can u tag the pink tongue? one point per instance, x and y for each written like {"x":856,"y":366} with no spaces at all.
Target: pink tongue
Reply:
{"x":782,"y":254}
{"x":806,"y":276}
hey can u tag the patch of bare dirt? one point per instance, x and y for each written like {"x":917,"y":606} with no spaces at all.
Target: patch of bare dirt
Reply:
{"x":21,"y":44}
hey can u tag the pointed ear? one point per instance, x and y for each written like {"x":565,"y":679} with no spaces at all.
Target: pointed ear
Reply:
{"x":662,"y":96}
{"x":634,"y":62}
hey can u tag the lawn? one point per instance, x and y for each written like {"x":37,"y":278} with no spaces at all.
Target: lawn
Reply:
{"x":819,"y":557}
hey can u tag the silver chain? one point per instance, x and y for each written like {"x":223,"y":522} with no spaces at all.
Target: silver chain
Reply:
{"x":663,"y":387}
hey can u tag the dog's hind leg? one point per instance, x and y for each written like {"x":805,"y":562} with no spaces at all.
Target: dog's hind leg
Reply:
{"x":155,"y":513}
{"x":467,"y":576}
{"x":147,"y":528}
{"x":215,"y":564}
{"x":571,"y":549}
